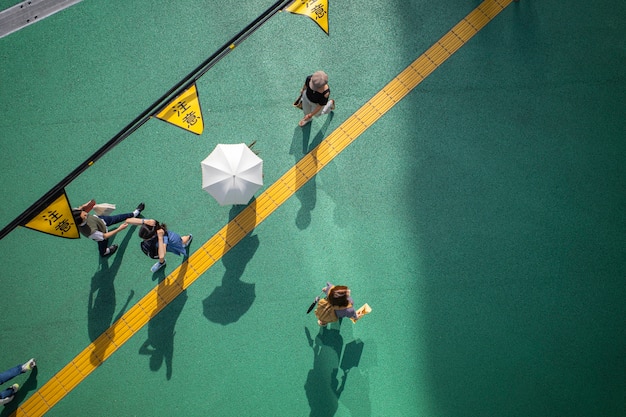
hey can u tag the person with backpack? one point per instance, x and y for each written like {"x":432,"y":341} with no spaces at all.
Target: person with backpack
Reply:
{"x":156,"y":240}
{"x":337,"y":304}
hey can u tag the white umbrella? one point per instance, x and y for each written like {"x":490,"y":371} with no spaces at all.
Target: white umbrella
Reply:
{"x":232,"y":174}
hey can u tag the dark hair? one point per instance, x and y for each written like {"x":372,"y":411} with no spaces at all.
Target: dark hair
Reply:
{"x":76,"y":214}
{"x":338,"y":296}
{"x":148,"y":232}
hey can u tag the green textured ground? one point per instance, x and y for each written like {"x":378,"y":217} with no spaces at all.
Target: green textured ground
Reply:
{"x":483,"y":217}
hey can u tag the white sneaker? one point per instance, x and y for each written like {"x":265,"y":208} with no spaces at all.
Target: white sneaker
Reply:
{"x":28,"y":366}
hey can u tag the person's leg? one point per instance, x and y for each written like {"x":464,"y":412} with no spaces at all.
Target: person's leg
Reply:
{"x":307,"y":107}
{"x":103,"y":245}
{"x":115,"y":219}
{"x":8,"y":393}
{"x":4,"y":377}
{"x":118,"y":218}
{"x":10,"y":374}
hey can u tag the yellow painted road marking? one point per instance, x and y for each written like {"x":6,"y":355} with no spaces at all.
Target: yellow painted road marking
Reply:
{"x":201,"y":260}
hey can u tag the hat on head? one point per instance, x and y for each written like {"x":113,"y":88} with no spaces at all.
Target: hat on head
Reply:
{"x":319,"y":79}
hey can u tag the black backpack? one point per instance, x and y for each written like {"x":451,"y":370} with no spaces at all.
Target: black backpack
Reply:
{"x":151,"y":247}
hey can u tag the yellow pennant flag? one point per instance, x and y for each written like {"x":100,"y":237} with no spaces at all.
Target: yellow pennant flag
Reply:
{"x":315,"y":9}
{"x":56,"y":219}
{"x":185,"y":111}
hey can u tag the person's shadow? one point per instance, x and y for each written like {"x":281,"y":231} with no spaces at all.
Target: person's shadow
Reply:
{"x":29,"y":385}
{"x":323,"y":388}
{"x":231,"y":300}
{"x":102,"y":301}
{"x":160,"y":342}
{"x":307,"y":191}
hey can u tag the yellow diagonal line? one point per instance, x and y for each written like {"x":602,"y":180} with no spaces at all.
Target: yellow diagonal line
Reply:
{"x":198,"y":263}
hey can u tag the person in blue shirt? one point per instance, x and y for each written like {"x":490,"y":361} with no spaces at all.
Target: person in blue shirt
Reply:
{"x":157,"y":235}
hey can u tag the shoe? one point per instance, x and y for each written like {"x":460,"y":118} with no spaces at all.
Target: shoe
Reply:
{"x":28,"y":366}
{"x":157,"y":266}
{"x":15,"y":388}
{"x":112,"y":250}
{"x":189,"y":241}
{"x":6,"y":400}
{"x":304,"y":122}
{"x":139,"y":209}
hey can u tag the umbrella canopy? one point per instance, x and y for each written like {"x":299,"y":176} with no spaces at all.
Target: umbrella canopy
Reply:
{"x":232,"y":174}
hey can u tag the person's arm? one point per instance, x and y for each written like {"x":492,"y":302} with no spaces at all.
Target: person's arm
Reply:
{"x":317,"y":109}
{"x":138,"y":222}
{"x":327,"y":288}
{"x":347,"y":312}
{"x":162,"y":245}
{"x":352,"y":313}
{"x":114,"y":232}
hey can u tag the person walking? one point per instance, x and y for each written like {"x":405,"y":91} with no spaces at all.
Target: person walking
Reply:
{"x":337,"y":304}
{"x":6,"y":396}
{"x":315,"y":95}
{"x":157,"y":240}
{"x":97,"y":227}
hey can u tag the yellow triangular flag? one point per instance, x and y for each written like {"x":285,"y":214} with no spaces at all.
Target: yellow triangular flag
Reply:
{"x":184,"y":111}
{"x":315,"y":9}
{"x":56,"y":219}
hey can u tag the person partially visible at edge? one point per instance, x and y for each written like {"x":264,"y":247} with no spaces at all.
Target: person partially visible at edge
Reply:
{"x":6,"y":396}
{"x":315,"y":97}
{"x":337,"y":304}
{"x":97,"y":227}
{"x":165,"y":240}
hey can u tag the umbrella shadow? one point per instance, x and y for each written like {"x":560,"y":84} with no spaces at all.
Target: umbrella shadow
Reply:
{"x":231,"y":300}
{"x":29,"y":385}
{"x":307,"y":188}
{"x":161,"y":328}
{"x":102,"y":300}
